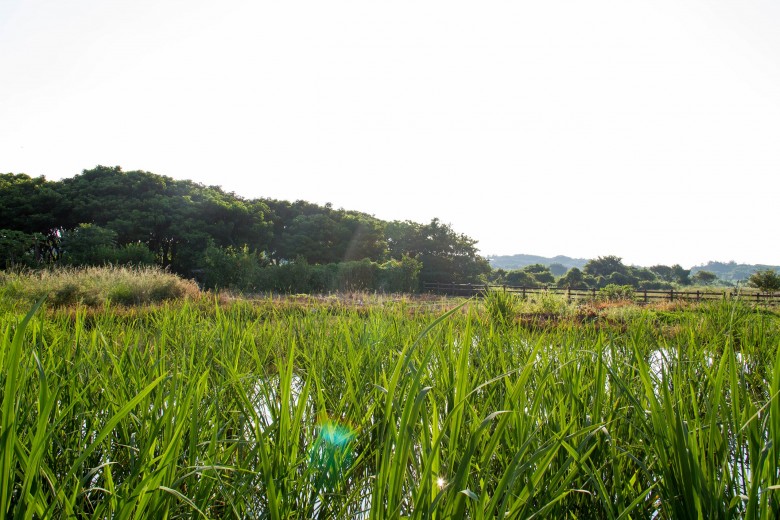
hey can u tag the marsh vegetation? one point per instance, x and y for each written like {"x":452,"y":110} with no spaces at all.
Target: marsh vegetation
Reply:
{"x":388,"y":407}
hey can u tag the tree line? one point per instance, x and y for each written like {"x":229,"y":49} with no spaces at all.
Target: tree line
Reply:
{"x":107,"y":215}
{"x":610,"y":272}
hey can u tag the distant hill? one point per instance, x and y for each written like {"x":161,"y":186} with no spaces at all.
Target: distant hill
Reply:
{"x":732,"y":271}
{"x":508,"y":262}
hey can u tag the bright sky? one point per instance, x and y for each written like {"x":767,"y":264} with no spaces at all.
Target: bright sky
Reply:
{"x":649,"y":130}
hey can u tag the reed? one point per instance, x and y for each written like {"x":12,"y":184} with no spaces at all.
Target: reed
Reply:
{"x":211,"y":409}
{"x":95,"y":286}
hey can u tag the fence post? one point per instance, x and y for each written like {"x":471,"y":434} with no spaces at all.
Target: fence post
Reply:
{"x":568,"y":294}
{"x":697,"y":296}
{"x":593,"y":290}
{"x":671,"y":295}
{"x":645,"y":295}
{"x":524,"y":292}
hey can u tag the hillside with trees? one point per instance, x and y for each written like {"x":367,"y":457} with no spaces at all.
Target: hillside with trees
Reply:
{"x":106,"y":215}
{"x":733,"y":272}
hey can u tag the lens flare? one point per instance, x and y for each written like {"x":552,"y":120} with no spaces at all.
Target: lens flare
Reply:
{"x":331,"y":454}
{"x":335,"y":434}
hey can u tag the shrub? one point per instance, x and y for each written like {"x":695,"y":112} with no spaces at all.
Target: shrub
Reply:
{"x":134,"y":254}
{"x":233,"y":268}
{"x":550,"y":303}
{"x":400,"y":276}
{"x":614,"y":292}
{"x":362,"y":275}
{"x":357,"y":276}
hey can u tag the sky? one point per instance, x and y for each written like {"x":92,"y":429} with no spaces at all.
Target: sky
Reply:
{"x":648,"y":130}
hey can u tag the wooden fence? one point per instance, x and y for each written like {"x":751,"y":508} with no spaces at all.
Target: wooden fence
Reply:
{"x":640,"y":295}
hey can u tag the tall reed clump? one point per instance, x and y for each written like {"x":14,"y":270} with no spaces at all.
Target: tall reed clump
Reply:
{"x":95,"y":286}
{"x":236,"y":411}
{"x":502,"y":306}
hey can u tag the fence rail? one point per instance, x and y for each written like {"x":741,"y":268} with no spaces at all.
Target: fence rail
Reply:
{"x":640,"y":295}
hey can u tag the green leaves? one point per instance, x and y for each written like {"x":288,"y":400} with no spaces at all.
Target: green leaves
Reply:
{"x":273,"y":410}
{"x":10,"y":367}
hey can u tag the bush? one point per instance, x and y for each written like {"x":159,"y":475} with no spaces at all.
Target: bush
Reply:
{"x":400,"y":276}
{"x":614,"y":292}
{"x":550,"y":303}
{"x":357,"y":276}
{"x":231,"y":268}
{"x":134,"y":254}
{"x":363,"y":275}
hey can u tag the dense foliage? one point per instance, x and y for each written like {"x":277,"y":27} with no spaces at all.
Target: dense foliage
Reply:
{"x":599,"y":272}
{"x":106,"y":215}
{"x":768,"y":280}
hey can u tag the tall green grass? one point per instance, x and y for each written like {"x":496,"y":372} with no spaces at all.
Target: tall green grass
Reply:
{"x":202,"y":410}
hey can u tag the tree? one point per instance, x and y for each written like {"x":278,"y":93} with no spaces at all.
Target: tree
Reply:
{"x":573,"y":279}
{"x":314,"y":238}
{"x":558,"y":269}
{"x":674,"y":274}
{"x":30,"y":204}
{"x":536,"y":268}
{"x":520,"y":278}
{"x":175,"y":219}
{"x":768,"y":281}
{"x":704,"y":277}
{"x":363,"y":236}
{"x":540,"y":273}
{"x":680,"y":275}
{"x":15,"y":247}
{"x":446,"y":256}
{"x":605,"y":266}
{"x":88,"y":245}
{"x":664,"y":272}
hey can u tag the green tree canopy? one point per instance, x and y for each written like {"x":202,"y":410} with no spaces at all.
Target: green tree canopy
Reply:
{"x":446,"y":256}
{"x":520,"y":278}
{"x":540,"y":273}
{"x":768,"y":280}
{"x":704,"y":277}
{"x":30,"y":204}
{"x":107,"y":214}
{"x":574,"y":279}
{"x":605,"y":266}
{"x":15,"y":247}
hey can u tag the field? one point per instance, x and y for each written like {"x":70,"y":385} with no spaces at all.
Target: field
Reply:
{"x":376,"y":408}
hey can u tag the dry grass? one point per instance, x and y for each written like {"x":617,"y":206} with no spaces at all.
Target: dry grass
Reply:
{"x":95,"y":286}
